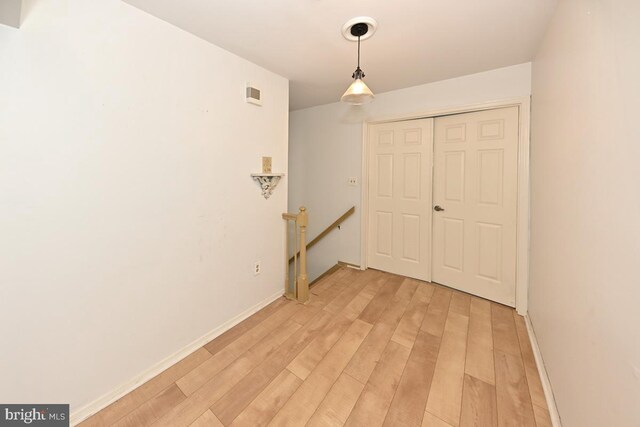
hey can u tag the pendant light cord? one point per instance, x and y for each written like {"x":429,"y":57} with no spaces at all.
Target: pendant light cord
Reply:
{"x":358,"y":74}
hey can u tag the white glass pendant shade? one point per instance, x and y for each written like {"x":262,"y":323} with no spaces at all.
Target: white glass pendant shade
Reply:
{"x":358,"y":93}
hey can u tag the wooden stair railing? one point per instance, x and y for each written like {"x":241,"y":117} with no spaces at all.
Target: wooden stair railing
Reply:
{"x":300,"y":291}
{"x":327,"y":230}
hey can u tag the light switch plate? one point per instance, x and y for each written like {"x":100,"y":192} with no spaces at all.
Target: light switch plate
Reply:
{"x":266,"y":165}
{"x":353,"y":181}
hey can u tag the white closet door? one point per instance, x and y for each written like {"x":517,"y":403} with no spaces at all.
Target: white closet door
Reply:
{"x":400,"y":161}
{"x":475,"y":185}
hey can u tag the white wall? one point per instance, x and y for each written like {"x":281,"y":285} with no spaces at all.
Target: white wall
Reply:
{"x":585,"y":218}
{"x":325,"y":148}
{"x":129,"y":223}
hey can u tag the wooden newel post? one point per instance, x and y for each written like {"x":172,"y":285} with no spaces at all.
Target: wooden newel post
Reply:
{"x":302,"y":285}
{"x":287,"y":292}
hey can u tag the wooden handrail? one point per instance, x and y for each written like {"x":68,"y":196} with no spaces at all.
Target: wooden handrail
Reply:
{"x":327,"y":230}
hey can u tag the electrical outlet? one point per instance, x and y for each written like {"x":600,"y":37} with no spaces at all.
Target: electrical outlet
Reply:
{"x":353,"y":181}
{"x":256,"y":268}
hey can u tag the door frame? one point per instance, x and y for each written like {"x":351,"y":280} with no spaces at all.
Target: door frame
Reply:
{"x":523,"y":214}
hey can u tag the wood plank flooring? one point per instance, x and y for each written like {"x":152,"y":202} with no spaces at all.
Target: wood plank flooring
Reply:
{"x":370,"y":348}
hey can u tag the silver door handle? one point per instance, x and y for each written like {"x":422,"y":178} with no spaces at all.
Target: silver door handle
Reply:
{"x":437,"y":208}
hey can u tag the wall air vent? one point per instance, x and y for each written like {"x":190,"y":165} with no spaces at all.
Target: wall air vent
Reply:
{"x":253,"y":95}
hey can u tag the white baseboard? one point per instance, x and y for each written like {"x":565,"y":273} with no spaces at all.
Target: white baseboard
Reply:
{"x":107,"y":399}
{"x":546,"y":384}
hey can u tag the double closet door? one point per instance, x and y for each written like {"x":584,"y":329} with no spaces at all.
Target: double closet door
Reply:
{"x":443,"y":200}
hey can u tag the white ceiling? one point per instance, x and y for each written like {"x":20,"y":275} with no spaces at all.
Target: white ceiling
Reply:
{"x":417,"y":41}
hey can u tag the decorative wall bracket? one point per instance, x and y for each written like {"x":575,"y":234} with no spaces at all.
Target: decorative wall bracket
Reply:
{"x":267,"y":181}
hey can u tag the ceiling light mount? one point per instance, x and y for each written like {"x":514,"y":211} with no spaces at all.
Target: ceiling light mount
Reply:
{"x":363,"y":25}
{"x":359,"y":29}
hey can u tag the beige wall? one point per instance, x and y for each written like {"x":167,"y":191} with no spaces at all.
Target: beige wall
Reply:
{"x":585,"y":219}
{"x":129,"y":222}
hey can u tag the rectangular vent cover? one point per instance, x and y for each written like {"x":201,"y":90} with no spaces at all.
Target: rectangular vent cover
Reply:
{"x":253,"y":95}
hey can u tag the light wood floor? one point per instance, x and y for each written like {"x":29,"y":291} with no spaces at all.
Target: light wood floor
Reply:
{"x":370,"y":349}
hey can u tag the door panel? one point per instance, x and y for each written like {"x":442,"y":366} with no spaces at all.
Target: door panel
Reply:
{"x":453,"y":243}
{"x":490,"y":177}
{"x":384,"y":170}
{"x":384,"y":233}
{"x":410,"y":237}
{"x":412,"y":163}
{"x":400,"y":187}
{"x":454,"y":176}
{"x":475,"y":182}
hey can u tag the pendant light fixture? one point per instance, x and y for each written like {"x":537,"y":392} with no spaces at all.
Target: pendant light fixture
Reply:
{"x":358,"y":93}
